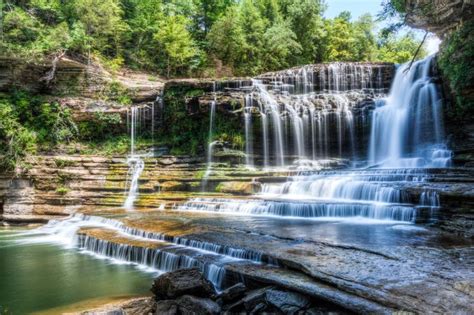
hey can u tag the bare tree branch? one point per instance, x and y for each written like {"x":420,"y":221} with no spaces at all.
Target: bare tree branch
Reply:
{"x":51,"y":73}
{"x":416,"y":52}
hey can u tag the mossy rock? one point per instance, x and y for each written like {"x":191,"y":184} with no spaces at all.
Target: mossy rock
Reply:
{"x":239,"y":188}
{"x":173,"y":186}
{"x":230,"y":156}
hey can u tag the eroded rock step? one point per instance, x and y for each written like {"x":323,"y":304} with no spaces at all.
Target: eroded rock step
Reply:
{"x":222,"y":272}
{"x":156,"y":254}
{"x":415,"y":279}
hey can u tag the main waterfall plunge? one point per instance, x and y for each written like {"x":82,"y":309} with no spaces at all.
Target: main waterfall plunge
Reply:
{"x":407,"y":130}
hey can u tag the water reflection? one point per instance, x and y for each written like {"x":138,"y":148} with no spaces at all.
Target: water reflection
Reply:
{"x":35,"y":277}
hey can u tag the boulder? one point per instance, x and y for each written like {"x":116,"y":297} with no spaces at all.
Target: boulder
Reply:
{"x":166,"y":307}
{"x":287,"y":302}
{"x":253,"y":298}
{"x":197,"y":306}
{"x":174,"y":284}
{"x":233,"y":293}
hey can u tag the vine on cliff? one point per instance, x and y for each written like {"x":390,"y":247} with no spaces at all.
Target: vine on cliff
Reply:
{"x":457,"y":65}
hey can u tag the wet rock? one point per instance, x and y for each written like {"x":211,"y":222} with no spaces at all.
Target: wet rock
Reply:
{"x":166,"y":307}
{"x":287,"y":302}
{"x":259,"y":308}
{"x":237,"y":307}
{"x":181,"y":282}
{"x":233,"y":293}
{"x":193,"y":305}
{"x":253,"y":298}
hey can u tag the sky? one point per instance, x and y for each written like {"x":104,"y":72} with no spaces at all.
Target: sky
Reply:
{"x":359,"y":7}
{"x":356,"y":7}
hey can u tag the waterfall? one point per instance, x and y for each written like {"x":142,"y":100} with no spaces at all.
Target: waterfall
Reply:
{"x":136,"y":166}
{"x":307,"y":113}
{"x":374,"y":194}
{"x":163,"y":253}
{"x":430,"y":199}
{"x":407,"y":130}
{"x":134,"y":161}
{"x":248,"y":131}
{"x":211,"y":144}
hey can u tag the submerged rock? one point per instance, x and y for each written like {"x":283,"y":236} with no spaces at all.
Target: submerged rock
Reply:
{"x":182,"y":282}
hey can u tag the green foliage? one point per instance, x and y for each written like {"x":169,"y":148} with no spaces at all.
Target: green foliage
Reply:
{"x":101,"y":127}
{"x":102,"y":21}
{"x":305,"y":18}
{"x":226,"y":38}
{"x":177,"y":45}
{"x":399,"y":49}
{"x":50,"y":121}
{"x":16,"y":141}
{"x":27,"y":122}
{"x":115,"y":91}
{"x":185,"y":133}
{"x":62,"y":163}
{"x":456,"y":63}
{"x":61,"y":190}
{"x":196,"y":37}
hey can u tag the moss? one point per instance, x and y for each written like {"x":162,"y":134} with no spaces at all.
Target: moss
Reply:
{"x":456,"y":62}
{"x":186,"y":126}
{"x":62,"y":190}
{"x":62,"y":163}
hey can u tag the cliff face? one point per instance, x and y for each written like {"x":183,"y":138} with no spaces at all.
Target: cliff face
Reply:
{"x":438,"y":16}
{"x":452,"y":21}
{"x":85,"y":89}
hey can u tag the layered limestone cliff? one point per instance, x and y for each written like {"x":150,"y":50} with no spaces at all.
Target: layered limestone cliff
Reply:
{"x":438,"y":16}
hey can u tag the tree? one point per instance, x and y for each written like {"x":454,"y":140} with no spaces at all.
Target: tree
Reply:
{"x":399,"y":49}
{"x":177,"y":45}
{"x":207,"y":12}
{"x":280,"y":45}
{"x":340,"y":43}
{"x":269,"y":10}
{"x":305,"y":19}
{"x":365,"y":39}
{"x":253,"y":26}
{"x":103,"y":22}
{"x":226,"y":38}
{"x":144,"y":18}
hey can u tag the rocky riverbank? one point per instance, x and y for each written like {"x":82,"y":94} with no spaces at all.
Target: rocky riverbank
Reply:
{"x":187,"y":292}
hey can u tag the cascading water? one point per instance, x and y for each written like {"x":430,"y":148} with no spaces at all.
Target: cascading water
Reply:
{"x":307,"y":113}
{"x":211,"y":144}
{"x":408,"y":131}
{"x":134,"y":161}
{"x":164,"y":253}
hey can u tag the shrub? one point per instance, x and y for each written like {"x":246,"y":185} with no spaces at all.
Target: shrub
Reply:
{"x":456,"y":64}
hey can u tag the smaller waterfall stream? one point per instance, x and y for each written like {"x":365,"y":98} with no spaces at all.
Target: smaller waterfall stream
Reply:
{"x":134,"y":161}
{"x":211,"y":144}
